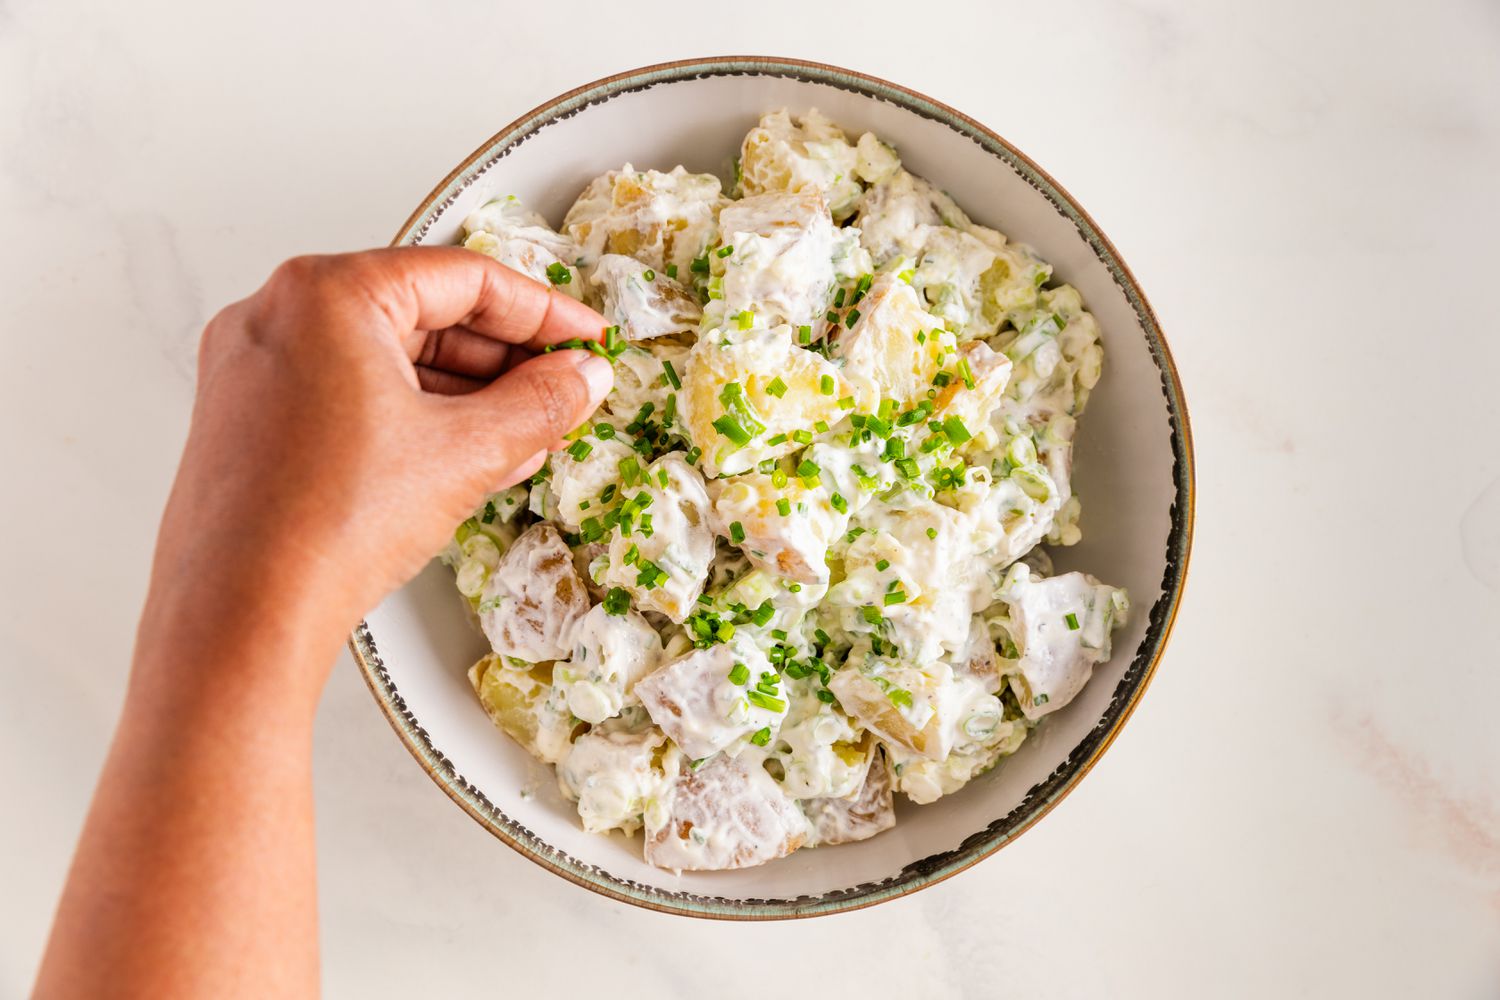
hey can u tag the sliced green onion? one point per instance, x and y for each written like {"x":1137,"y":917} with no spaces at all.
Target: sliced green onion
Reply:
{"x":851,"y":318}
{"x":839,"y":503}
{"x":777,"y":387}
{"x":724,"y":251}
{"x":736,"y":532}
{"x":965,"y":373}
{"x":671,"y":270}
{"x":763,"y":614}
{"x":955,"y":431}
{"x":802,"y":437}
{"x":882,"y":564}
{"x":559,"y":274}
{"x":895,"y":597}
{"x":826,"y":385}
{"x":847,"y":403}
{"x":804,"y":334}
{"x":740,"y":674}
{"x":784,"y":507}
{"x":1072,"y":621}
{"x":672,"y":379}
{"x":765,"y":701}
{"x":649,"y":274}
{"x":580,"y":450}
{"x":761,"y":737}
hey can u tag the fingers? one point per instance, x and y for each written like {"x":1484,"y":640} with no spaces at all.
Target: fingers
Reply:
{"x":447,"y":383}
{"x":464,"y":352}
{"x":530,"y":409}
{"x":525,"y":470}
{"x":433,"y":288}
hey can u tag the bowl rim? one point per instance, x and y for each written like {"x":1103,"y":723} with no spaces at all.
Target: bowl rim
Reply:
{"x":1042,"y":797}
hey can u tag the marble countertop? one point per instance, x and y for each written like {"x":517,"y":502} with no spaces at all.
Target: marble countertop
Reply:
{"x":1307,"y":802}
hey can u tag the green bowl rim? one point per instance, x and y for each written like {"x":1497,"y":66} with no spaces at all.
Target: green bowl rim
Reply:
{"x":1042,"y":797}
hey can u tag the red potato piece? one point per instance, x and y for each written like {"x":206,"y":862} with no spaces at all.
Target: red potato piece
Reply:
{"x":534,"y":599}
{"x":727,"y":814}
{"x":861,"y":816}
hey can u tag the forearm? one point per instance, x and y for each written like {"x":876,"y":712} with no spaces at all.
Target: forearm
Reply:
{"x":195,"y":873}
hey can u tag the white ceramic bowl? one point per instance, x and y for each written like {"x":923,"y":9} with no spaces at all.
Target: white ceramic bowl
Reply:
{"x":1134,"y":475}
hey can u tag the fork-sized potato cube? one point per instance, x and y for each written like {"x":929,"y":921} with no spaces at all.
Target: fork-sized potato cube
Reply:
{"x":895,"y":347}
{"x":776,"y":263}
{"x":664,"y":566}
{"x":791,"y":545}
{"x":767,"y":389}
{"x":521,"y":240}
{"x":990,"y":371}
{"x":811,"y":153}
{"x":860,"y":816}
{"x":613,"y":775}
{"x":710,"y":698}
{"x":661,"y":219}
{"x":728,"y":813}
{"x":534,"y":598}
{"x":902,"y":703}
{"x":520,"y":700}
{"x":642,"y":301}
{"x":610,"y":653}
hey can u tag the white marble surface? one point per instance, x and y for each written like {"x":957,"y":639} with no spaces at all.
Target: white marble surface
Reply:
{"x":1306,"y":802}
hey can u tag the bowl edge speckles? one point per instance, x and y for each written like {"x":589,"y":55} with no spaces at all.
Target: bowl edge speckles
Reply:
{"x":1042,"y":796}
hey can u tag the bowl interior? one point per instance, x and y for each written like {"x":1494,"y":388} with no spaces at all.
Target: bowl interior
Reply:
{"x":1131,"y":476}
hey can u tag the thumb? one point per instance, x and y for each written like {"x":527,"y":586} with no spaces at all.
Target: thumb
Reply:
{"x":521,"y":415}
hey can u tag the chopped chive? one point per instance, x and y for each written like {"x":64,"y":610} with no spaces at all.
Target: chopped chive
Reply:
{"x":724,"y":251}
{"x":763,"y":614}
{"x":669,"y":412}
{"x":779,"y":478}
{"x":895,"y":597}
{"x":965,"y":373}
{"x":932,"y":533}
{"x":804,"y":334}
{"x":693,"y":455}
{"x":802,"y":437}
{"x":740,"y":674}
{"x":807,"y":467}
{"x":761,"y":736}
{"x":604,"y":431}
{"x":955,"y":431}
{"x":617,"y":601}
{"x":614,"y":343}
{"x":825,"y":696}
{"x":784,"y":507}
{"x":908,"y":468}
{"x":839,"y":503}
{"x":744,"y":319}
{"x":672,"y":378}
{"x":765,"y":701}
{"x":580,"y":450}
{"x":847,"y":403}
{"x":699,"y":265}
{"x":736,"y":532}
{"x":559,"y":274}
{"x":851,"y":318}
{"x":777,"y":387}
{"x":900,"y":697}
{"x":766,"y":467}
{"x":671,"y":270}
{"x":730,"y":428}
{"x":942,"y":378}
{"x":831,"y":316}
{"x":1072,"y":621}
{"x":872,"y":614}
{"x":826,"y":385}
{"x":882,"y":564}
{"x":630,"y":470}
{"x":776,"y":439}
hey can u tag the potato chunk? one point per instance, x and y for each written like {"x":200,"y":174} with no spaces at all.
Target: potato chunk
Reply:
{"x":614,"y":776}
{"x":1061,"y":626}
{"x":870,"y":810}
{"x":791,"y":545}
{"x":664,"y":567}
{"x":660,"y":219}
{"x":807,"y":154}
{"x":902,"y":703}
{"x":521,"y":240}
{"x":642,"y":301}
{"x":534,"y":598}
{"x":729,"y":813}
{"x":519,"y":699}
{"x":778,"y":262}
{"x":610,"y":653}
{"x":895,"y":347}
{"x":778,"y":389}
{"x":710,"y":698}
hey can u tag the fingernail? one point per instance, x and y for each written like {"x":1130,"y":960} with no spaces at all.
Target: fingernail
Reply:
{"x":599,"y":375}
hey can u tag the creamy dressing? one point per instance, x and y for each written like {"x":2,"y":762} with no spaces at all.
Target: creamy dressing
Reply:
{"x":793,"y":565}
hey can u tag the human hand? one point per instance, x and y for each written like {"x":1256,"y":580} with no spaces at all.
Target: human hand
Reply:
{"x":349,"y":414}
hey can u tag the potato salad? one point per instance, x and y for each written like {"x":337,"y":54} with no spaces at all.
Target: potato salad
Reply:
{"x":794,"y":565}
